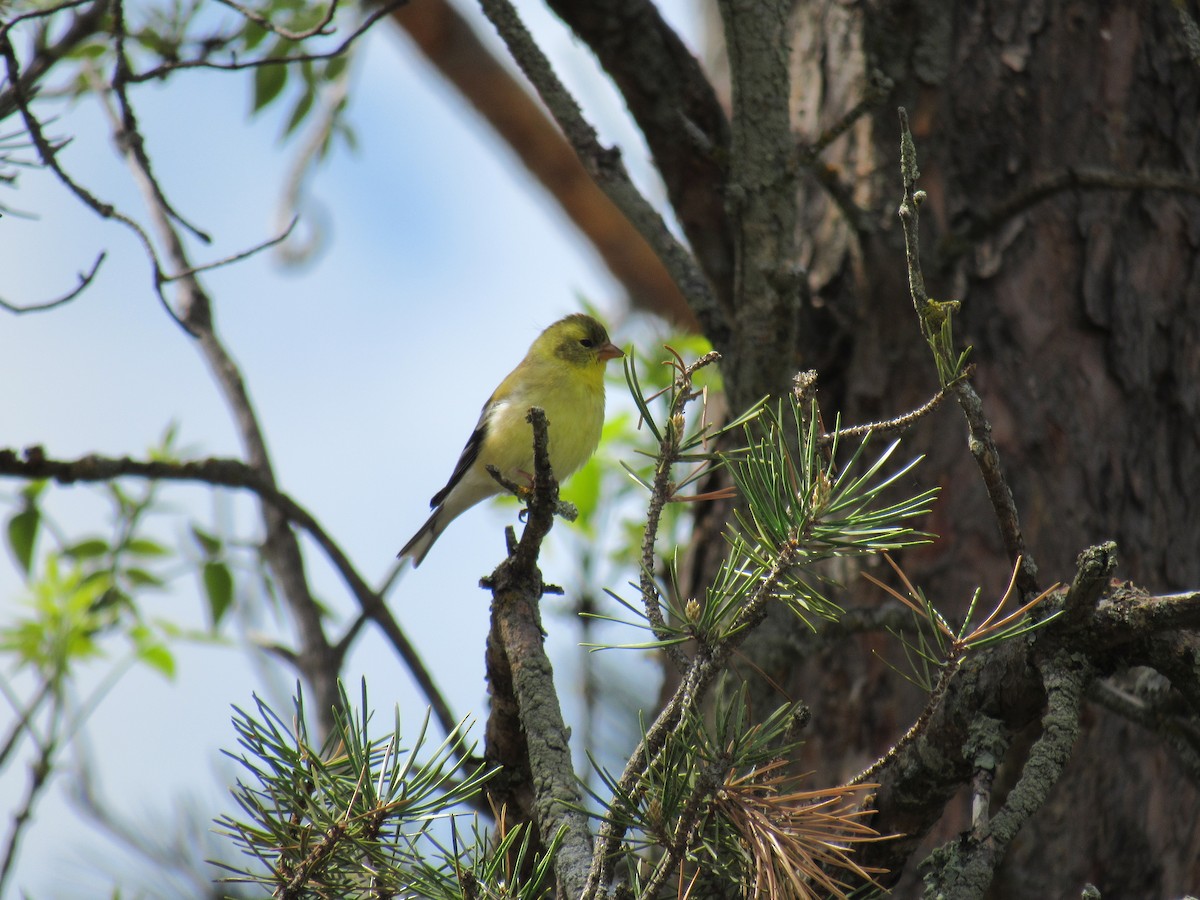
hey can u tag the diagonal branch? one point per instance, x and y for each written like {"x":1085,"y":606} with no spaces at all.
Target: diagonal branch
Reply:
{"x":678,"y":112}
{"x":606,"y":168}
{"x":233,"y":473}
{"x":451,"y":45}
{"x":317,"y":657}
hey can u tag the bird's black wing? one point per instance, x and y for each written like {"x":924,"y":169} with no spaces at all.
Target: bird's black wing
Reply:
{"x":470,"y":453}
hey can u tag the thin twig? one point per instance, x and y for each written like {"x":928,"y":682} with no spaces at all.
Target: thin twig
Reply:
{"x":808,"y":155}
{"x":982,"y":445}
{"x":878,"y":87}
{"x":661,"y":492}
{"x":887,"y":426}
{"x":267,"y":25}
{"x":48,"y":153}
{"x":127,"y":134}
{"x":235,"y":65}
{"x":85,"y":279}
{"x":237,"y":257}
{"x":39,"y":775}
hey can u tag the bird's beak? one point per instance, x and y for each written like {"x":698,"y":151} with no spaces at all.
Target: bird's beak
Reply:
{"x":610,"y":351}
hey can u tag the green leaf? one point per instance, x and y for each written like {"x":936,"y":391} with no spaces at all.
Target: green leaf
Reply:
{"x":150,"y":650}
{"x":253,"y":34}
{"x":92,"y":51}
{"x":336,"y":66}
{"x":210,"y":544}
{"x":347,"y":134}
{"x":146,"y":547}
{"x":87,"y":549}
{"x":218,"y":586}
{"x":157,"y":657}
{"x":269,"y":81}
{"x":300,"y":110}
{"x":124,"y":503}
{"x":583,"y":490}
{"x":33,"y":490}
{"x":22,"y":536}
{"x":142,"y":578}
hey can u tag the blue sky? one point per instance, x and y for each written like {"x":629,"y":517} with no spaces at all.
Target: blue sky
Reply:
{"x":368,"y":368}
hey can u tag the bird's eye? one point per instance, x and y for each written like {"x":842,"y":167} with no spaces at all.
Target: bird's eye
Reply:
{"x":587,"y":342}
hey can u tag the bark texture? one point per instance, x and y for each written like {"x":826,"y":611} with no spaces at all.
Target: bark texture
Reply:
{"x":1084,"y":312}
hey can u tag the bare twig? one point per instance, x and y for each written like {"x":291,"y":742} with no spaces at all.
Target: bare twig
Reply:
{"x":129,"y":137}
{"x":234,"y":65}
{"x":877,"y":90}
{"x":887,"y":426}
{"x":808,"y":155}
{"x":48,"y":154}
{"x":266,"y":24}
{"x":983,"y":447}
{"x":39,"y":774}
{"x":606,"y":167}
{"x":85,"y":279}
{"x":237,"y":257}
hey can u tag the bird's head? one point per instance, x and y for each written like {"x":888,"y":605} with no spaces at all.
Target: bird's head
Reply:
{"x":579,"y":340}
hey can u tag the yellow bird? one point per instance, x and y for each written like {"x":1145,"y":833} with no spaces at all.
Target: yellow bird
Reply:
{"x":563,"y":373}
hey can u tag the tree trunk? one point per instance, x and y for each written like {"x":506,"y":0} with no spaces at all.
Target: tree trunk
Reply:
{"x":1084,"y":313}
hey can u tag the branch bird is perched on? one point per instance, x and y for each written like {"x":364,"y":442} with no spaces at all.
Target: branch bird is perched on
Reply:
{"x":563,"y":373}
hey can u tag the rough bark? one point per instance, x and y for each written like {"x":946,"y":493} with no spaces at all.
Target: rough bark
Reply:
{"x":1084,"y":312}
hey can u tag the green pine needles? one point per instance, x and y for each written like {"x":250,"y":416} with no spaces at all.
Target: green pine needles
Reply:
{"x":368,"y":817}
{"x":801,"y":509}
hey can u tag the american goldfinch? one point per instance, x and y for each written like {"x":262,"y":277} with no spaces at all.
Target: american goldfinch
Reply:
{"x":563,"y":373}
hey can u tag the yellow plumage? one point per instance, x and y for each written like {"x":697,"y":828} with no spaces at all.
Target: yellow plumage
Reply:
{"x":563,"y":373}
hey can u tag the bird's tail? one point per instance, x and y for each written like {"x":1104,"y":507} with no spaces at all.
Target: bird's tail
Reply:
{"x":419,"y":544}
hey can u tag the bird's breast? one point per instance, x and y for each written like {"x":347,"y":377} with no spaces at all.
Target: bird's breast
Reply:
{"x":576,"y":417}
